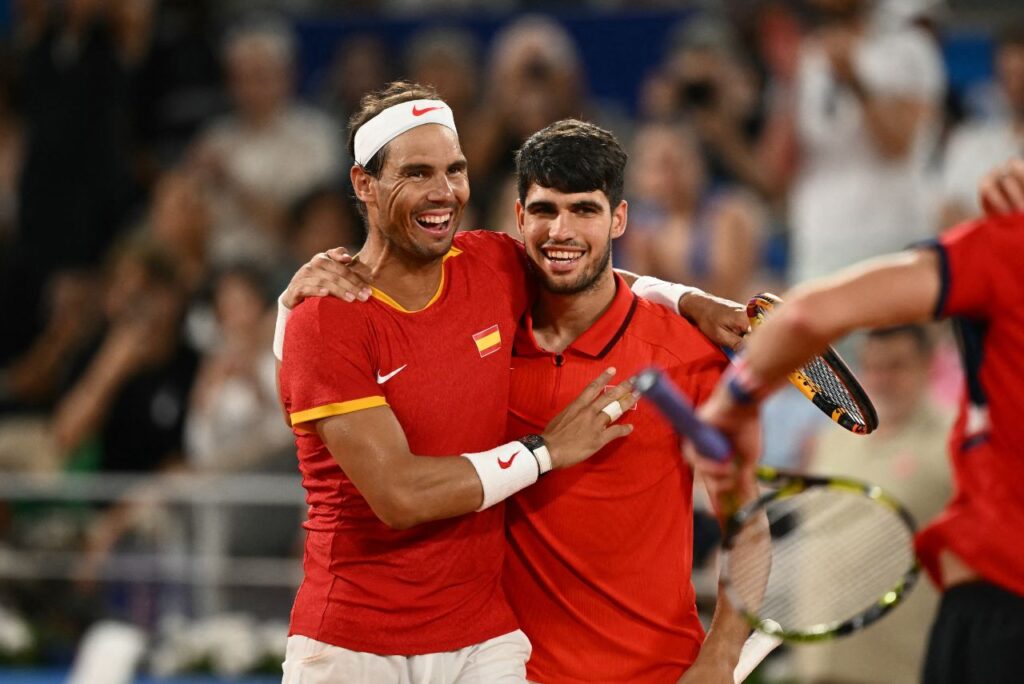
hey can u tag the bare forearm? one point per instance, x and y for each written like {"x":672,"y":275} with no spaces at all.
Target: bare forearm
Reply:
{"x":85,"y":407}
{"x":727,"y":632}
{"x":432,"y":488}
{"x":902,"y":288}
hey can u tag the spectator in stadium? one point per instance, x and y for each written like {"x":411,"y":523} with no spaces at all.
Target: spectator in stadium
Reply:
{"x":905,"y":456}
{"x":268,"y":152}
{"x":179,"y":222}
{"x":683,"y":228}
{"x":233,"y":416}
{"x":866,"y":115}
{"x":320,"y":220}
{"x":128,"y":401}
{"x":535,"y":77}
{"x":706,"y":82}
{"x":978,"y":145}
{"x":972,"y":551}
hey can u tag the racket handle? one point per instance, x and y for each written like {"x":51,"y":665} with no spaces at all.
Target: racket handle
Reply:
{"x":676,"y":408}
{"x":755,"y":649}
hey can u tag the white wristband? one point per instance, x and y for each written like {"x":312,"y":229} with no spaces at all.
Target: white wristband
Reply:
{"x":503,"y":471}
{"x":283,"y":312}
{"x":662,"y":292}
{"x":543,"y":459}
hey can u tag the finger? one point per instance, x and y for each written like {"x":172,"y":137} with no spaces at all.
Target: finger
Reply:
{"x":992,"y":199}
{"x":613,"y":410}
{"x":617,"y":431}
{"x":339,"y":254}
{"x":730,"y":339}
{"x":593,"y":390}
{"x":1014,"y":192}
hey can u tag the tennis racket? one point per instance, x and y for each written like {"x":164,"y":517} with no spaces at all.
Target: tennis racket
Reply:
{"x":825,"y":380}
{"x":812,"y":558}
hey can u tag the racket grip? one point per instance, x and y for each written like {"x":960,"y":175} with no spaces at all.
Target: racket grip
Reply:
{"x":755,"y":649}
{"x":676,"y":408}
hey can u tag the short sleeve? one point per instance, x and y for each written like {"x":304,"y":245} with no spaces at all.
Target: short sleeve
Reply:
{"x":965,"y":255}
{"x":329,"y":361}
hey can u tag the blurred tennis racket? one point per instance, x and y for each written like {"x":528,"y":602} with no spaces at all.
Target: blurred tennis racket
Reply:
{"x":812,"y":558}
{"x":826,"y":380}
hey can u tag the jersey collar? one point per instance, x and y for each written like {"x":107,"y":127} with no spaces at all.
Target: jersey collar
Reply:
{"x":597,"y":340}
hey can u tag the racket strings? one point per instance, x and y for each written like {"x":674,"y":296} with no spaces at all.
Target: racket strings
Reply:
{"x":817,"y":558}
{"x":832,"y":387}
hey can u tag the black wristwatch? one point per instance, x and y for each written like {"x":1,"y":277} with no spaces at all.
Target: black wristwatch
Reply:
{"x":539,"y":448}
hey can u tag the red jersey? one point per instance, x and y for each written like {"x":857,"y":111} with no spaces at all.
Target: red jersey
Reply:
{"x":443,"y":371}
{"x":600,"y":554}
{"x":982,"y":266}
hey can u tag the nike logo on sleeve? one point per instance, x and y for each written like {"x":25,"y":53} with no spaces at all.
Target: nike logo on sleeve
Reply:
{"x":381,"y":379}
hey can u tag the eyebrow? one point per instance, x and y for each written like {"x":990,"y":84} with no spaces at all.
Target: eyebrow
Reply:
{"x":541,"y":205}
{"x":586,"y":204}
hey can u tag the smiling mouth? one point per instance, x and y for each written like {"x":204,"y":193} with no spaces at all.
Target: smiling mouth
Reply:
{"x":436,"y":224}
{"x":562,"y":257}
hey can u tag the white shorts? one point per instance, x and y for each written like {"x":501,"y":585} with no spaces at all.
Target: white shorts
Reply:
{"x":501,"y":660}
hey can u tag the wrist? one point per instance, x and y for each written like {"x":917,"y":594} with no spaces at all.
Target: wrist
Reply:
{"x":744,"y":387}
{"x":670,"y":295}
{"x":539,"y":449}
{"x":503,"y":471}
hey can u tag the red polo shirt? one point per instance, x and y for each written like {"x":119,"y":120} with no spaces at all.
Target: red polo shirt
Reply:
{"x":600,"y":554}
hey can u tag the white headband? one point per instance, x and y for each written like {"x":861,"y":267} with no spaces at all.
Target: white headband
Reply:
{"x":393,"y":121}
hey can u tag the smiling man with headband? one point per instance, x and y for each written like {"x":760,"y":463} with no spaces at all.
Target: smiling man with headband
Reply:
{"x":397,"y":406}
{"x":408,"y":395}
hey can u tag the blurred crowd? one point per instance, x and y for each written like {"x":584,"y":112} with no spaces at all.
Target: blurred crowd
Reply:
{"x":161,"y":178}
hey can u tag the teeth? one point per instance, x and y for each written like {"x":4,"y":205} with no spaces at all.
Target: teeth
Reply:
{"x":562,"y":255}
{"x":434,"y":219}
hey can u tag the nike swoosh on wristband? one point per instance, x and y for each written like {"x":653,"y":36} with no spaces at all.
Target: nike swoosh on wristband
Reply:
{"x":421,"y":112}
{"x":381,"y":379}
{"x":506,"y":464}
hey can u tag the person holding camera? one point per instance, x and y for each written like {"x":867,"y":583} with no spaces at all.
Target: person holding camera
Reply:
{"x":866,"y":119}
{"x":706,"y":83}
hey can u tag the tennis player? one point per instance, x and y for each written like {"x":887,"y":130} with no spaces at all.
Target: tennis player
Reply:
{"x":974,"y":551}
{"x":408,"y":394}
{"x":599,"y":565}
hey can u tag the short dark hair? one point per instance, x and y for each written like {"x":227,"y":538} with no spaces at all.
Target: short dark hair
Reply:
{"x":374,"y":103}
{"x":572,"y":156}
{"x":918,"y":333}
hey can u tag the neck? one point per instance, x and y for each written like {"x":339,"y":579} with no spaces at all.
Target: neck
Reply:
{"x":559,"y":319}
{"x":410,"y":282}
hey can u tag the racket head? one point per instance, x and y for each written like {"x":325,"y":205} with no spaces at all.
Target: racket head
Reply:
{"x":826,"y":380}
{"x":817,"y":558}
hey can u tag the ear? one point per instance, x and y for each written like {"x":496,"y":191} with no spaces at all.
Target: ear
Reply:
{"x":619,"y":216}
{"x":520,"y":218}
{"x":362,"y":184}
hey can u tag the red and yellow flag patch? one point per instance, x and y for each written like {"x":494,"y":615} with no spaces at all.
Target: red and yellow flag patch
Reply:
{"x":488,"y":341}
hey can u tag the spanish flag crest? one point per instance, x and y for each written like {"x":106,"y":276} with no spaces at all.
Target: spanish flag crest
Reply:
{"x":488,"y":341}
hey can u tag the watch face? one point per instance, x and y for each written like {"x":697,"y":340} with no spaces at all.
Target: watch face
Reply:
{"x":532,"y":442}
